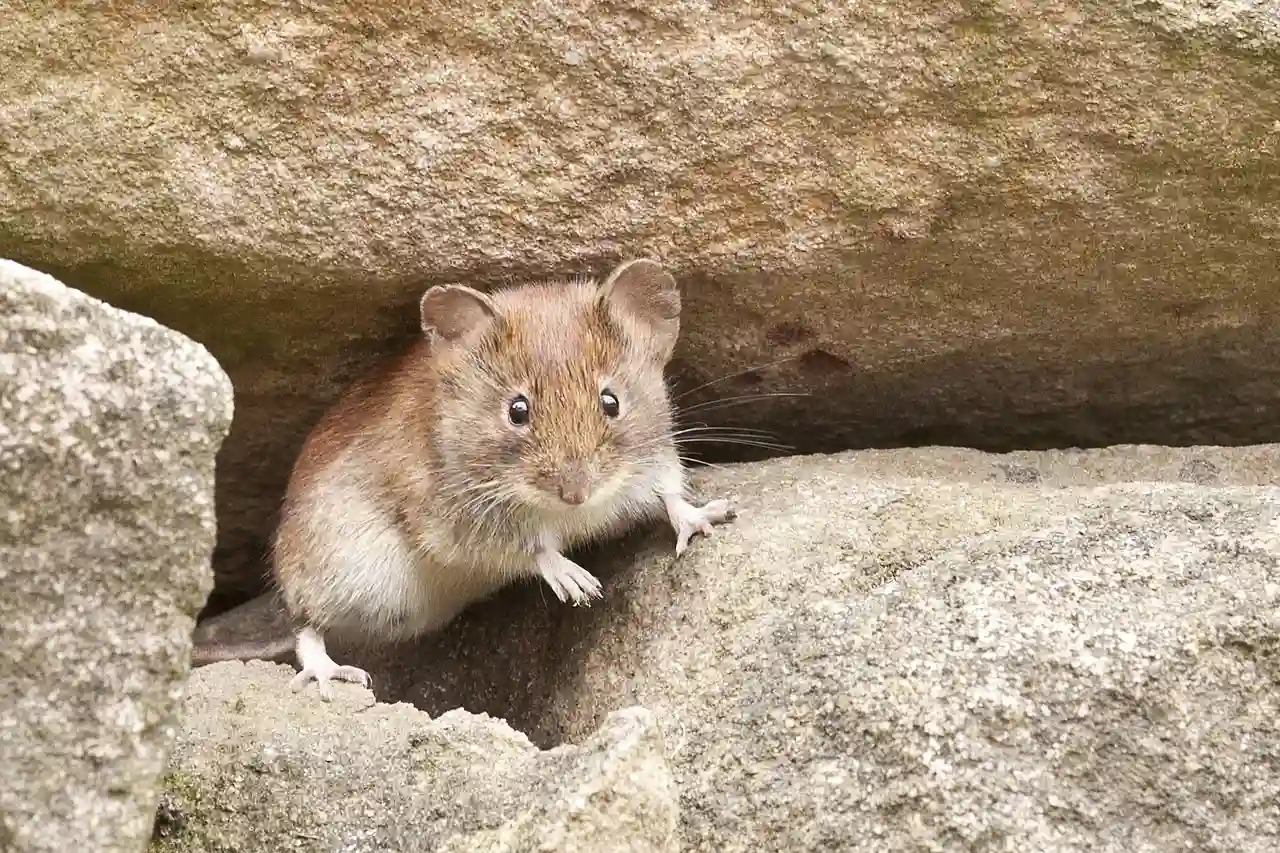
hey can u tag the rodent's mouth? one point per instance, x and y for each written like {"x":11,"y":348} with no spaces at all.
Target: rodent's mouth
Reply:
{"x":573,"y":492}
{"x":568,"y":503}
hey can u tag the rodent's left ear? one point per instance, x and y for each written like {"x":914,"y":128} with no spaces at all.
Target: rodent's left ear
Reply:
{"x":452,"y":311}
{"x":643,"y":290}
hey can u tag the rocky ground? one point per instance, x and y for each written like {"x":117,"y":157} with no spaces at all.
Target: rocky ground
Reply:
{"x":864,"y":661}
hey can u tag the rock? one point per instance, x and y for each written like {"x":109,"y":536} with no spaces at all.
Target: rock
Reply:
{"x":963,"y":223}
{"x":260,"y":769}
{"x":871,"y":661}
{"x":109,"y":424}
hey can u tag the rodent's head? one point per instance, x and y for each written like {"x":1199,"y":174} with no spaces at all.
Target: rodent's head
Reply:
{"x":551,"y":395}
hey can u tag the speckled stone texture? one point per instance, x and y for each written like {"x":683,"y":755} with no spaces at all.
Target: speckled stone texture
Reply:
{"x":109,"y":425}
{"x":1001,"y":225}
{"x":258,"y":771}
{"x":926,"y":650}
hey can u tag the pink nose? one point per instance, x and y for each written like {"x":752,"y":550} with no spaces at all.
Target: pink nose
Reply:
{"x":573,"y":485}
{"x":573,"y":494}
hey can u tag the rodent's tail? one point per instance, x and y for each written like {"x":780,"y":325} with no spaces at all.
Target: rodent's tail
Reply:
{"x":277,"y":650}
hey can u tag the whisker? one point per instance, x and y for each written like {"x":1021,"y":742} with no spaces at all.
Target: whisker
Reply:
{"x":734,"y":375}
{"x":710,"y":435}
{"x":706,"y":439}
{"x":705,"y":434}
{"x":498,"y":501}
{"x":728,"y":430}
{"x":765,"y":445}
{"x":741,"y":399}
{"x":689,"y":460}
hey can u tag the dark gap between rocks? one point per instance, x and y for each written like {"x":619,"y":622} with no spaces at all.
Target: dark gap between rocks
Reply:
{"x":520,"y":655}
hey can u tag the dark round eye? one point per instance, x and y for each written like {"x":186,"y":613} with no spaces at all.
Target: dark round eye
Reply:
{"x":518,"y":411}
{"x":609,"y":403}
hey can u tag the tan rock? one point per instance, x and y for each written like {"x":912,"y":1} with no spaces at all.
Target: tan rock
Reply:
{"x":904,"y":651}
{"x":1016,"y":225}
{"x":1259,"y":465}
{"x":257,"y":771}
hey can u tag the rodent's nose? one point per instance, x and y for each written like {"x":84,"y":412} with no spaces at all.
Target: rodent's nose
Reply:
{"x":571,"y":495}
{"x":573,"y":485}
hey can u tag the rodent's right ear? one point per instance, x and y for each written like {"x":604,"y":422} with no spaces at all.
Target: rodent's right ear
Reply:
{"x":452,"y":311}
{"x":644,"y":293}
{"x":644,"y":289}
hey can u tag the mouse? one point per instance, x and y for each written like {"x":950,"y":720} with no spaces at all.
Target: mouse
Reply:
{"x":522,"y":422}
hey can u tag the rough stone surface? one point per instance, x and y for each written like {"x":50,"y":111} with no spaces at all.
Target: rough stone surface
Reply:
{"x":997,"y":225}
{"x":109,"y":425}
{"x":257,"y":770}
{"x":888,"y":663}
{"x":1258,"y":465}
{"x":917,"y":650}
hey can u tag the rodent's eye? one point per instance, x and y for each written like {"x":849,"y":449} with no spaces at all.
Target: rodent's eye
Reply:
{"x":609,"y":403}
{"x":518,"y":411}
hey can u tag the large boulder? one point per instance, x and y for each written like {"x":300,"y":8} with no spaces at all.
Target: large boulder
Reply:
{"x":882,"y":655}
{"x":997,"y":225}
{"x":109,"y":424}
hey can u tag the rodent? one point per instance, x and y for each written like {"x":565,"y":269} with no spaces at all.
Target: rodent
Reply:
{"x":523,"y":422}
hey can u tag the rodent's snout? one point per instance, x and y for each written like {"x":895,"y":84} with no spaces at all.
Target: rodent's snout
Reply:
{"x":572,"y":482}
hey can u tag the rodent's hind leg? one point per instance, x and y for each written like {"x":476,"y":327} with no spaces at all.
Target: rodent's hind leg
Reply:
{"x":566,"y":578}
{"x":316,"y":664}
{"x":688,"y":520}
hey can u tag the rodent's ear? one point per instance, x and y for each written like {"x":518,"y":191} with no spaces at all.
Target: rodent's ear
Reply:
{"x":644,"y":290}
{"x":452,"y":311}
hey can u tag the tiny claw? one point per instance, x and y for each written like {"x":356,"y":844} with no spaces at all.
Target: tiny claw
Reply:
{"x":688,"y":520}
{"x":569,"y":581}
{"x":324,"y":676}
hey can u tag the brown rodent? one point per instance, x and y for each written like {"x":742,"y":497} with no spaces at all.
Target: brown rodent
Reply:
{"x":524,"y":422}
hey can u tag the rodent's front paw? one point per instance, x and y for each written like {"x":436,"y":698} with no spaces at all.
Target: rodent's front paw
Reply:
{"x":688,"y":520}
{"x":568,"y":580}
{"x":719,"y":511}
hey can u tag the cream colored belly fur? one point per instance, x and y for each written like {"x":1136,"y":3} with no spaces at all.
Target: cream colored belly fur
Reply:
{"x":366,"y":577}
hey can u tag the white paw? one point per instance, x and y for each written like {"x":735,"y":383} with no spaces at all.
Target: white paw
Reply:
{"x":324,"y":672}
{"x":568,"y":580}
{"x":688,"y":520}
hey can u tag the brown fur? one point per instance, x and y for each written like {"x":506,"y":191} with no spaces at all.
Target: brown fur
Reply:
{"x":424,"y":446}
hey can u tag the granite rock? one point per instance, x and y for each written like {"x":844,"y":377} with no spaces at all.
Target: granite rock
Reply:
{"x":109,"y":425}
{"x":258,"y":770}
{"x":880,"y":662}
{"x":916,"y":650}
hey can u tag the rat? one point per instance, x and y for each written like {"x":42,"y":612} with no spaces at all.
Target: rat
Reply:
{"x":521,"y":423}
